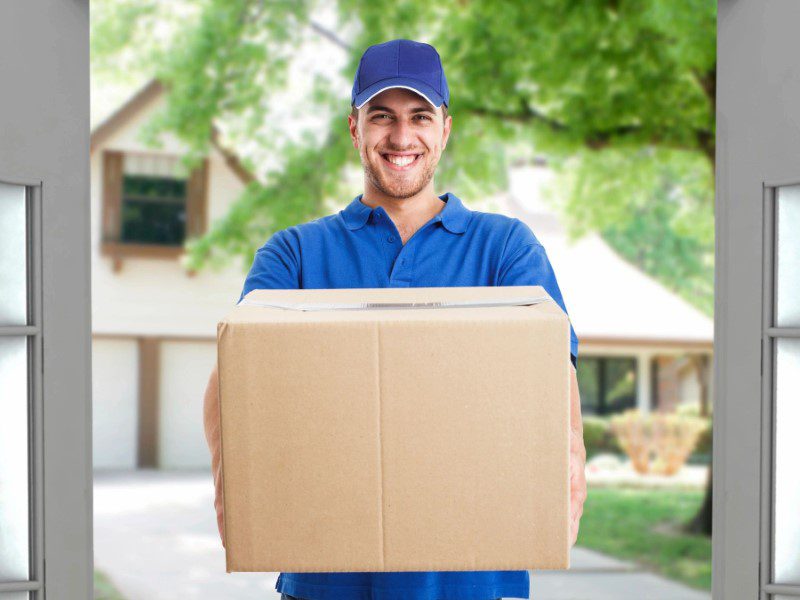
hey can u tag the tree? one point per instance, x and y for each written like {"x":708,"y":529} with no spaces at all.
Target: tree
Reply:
{"x":618,"y":96}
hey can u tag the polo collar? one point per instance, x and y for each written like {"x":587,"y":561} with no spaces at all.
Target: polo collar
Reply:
{"x":454,"y":216}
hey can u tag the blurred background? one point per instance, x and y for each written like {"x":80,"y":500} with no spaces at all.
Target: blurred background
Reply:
{"x":216,"y":123}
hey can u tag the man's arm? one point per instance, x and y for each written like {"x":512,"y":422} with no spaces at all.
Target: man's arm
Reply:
{"x":211,"y":425}
{"x":529,"y":265}
{"x":577,"y":458}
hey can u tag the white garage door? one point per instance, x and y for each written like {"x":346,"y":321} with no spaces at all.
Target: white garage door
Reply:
{"x":185,"y":367}
{"x":115,"y":399}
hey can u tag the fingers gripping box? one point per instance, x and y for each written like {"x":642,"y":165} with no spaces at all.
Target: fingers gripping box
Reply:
{"x":395,"y":429}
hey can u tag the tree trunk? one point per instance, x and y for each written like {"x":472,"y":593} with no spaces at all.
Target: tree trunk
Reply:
{"x":701,"y":523}
{"x":701,"y":362}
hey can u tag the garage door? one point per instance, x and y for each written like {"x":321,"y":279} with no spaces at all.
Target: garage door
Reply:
{"x":115,"y":398}
{"x":185,"y":367}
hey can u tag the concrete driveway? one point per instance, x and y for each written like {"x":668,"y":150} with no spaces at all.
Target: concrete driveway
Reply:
{"x":155,"y":536}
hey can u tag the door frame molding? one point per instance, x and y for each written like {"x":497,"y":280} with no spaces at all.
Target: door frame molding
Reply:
{"x":45,"y":120}
{"x":758,"y":147}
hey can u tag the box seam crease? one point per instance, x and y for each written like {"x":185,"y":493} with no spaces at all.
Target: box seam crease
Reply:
{"x":380,"y":444}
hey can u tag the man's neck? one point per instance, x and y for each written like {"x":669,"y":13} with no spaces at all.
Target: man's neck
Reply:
{"x":408,"y":214}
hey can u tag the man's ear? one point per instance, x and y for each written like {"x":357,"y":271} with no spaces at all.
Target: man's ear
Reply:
{"x":448,"y":123}
{"x":352,"y":125}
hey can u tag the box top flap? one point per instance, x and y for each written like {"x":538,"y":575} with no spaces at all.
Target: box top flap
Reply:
{"x":382,"y":304}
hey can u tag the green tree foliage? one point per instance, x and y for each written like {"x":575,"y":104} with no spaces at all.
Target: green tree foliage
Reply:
{"x":618,"y":96}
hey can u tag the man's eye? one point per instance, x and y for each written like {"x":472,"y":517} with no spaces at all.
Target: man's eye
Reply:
{"x":378,"y":117}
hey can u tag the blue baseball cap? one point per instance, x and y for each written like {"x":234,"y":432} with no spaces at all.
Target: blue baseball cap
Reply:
{"x":401,"y":64}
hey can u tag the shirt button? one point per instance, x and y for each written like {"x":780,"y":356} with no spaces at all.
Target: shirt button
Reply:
{"x":390,"y":239}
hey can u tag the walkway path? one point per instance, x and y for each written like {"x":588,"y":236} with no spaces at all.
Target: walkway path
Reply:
{"x":155,"y":536}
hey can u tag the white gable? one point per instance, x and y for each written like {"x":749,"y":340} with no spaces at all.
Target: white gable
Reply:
{"x":157,"y":296}
{"x":607,"y":297}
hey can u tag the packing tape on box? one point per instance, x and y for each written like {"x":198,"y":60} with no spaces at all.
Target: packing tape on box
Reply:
{"x":309,"y":306}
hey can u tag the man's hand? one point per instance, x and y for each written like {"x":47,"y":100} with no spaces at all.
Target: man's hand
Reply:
{"x":577,"y":459}
{"x":211,"y":424}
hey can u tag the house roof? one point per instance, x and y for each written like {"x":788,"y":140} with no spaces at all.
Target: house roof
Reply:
{"x":609,"y":299}
{"x":148,"y":92}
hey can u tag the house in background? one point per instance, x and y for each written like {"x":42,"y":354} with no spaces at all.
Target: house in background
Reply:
{"x":154,"y":323}
{"x":641,"y":345}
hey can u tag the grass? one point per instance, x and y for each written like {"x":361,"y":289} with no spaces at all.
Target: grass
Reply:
{"x":644,"y":526}
{"x":104,"y":589}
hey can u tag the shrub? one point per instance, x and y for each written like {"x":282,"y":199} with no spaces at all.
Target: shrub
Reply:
{"x":704,"y":440}
{"x":703,"y":445}
{"x":595,"y":429}
{"x":634,"y":434}
{"x":693,"y":409}
{"x":657,"y":442}
{"x":597,"y":436}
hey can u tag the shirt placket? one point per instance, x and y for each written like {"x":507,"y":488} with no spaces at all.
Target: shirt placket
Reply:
{"x":400,"y":257}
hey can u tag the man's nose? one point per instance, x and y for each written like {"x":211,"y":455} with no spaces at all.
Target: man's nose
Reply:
{"x":401,"y":134}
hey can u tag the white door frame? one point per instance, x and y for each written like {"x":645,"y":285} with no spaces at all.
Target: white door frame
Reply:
{"x":758,"y":145}
{"x":44,"y":149}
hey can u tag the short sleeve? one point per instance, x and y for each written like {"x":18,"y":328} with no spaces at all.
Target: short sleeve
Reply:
{"x":529,"y":265}
{"x":274,"y":267}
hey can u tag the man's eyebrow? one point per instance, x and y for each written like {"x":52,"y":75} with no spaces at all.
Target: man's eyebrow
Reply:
{"x":414,"y":110}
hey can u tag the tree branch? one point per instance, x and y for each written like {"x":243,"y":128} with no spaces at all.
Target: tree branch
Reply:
{"x":708,"y":144}
{"x":231,"y":158}
{"x":525,"y":115}
{"x":595,"y":140}
{"x":708,"y":82}
{"x":327,"y":33}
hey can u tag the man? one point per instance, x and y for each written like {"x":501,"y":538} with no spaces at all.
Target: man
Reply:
{"x":399,"y":233}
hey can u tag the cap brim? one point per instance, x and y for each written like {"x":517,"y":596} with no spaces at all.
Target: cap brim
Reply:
{"x":414,"y":85}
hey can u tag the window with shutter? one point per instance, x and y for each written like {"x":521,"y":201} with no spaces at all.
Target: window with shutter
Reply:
{"x":150,"y":205}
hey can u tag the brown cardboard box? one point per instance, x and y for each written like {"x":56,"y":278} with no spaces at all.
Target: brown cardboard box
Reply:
{"x":395,"y":439}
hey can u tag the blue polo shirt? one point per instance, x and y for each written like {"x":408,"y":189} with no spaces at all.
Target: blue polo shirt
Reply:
{"x":360,"y":247}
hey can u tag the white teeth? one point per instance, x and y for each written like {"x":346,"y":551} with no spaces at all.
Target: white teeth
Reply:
{"x":401,"y":161}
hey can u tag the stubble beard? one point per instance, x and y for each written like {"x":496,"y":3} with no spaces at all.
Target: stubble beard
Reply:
{"x":398,"y":186}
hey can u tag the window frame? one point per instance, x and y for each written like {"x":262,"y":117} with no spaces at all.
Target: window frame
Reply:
{"x":33,"y":332}
{"x":111,"y":244}
{"x":602,"y":387}
{"x":770,"y":334}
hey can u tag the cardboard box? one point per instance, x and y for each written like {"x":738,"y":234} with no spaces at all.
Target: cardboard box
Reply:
{"x":405,"y":438}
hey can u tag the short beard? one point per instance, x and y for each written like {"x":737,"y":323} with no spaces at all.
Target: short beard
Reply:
{"x":406,"y":190}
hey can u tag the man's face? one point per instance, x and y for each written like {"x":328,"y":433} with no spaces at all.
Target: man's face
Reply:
{"x":400,"y":126}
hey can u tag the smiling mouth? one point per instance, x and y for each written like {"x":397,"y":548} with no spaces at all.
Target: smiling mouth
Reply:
{"x":401,"y":167}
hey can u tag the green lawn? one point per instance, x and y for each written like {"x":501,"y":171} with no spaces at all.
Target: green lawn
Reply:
{"x":643,"y":526}
{"x":104,"y":589}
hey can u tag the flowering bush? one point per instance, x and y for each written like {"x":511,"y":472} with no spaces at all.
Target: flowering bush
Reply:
{"x":657,"y":442}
